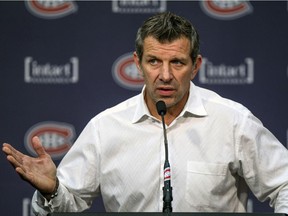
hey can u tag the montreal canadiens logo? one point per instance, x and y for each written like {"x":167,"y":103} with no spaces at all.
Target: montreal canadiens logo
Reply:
{"x":125,"y":73}
{"x":56,"y":138}
{"x":50,"y":9}
{"x":226,"y":9}
{"x":167,"y":174}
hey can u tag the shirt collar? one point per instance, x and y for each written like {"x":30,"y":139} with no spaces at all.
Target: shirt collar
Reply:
{"x":193,"y":106}
{"x":141,"y":111}
{"x":194,"y":103}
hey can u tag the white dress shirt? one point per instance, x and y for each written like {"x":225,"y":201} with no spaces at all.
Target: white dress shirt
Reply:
{"x":217,"y":150}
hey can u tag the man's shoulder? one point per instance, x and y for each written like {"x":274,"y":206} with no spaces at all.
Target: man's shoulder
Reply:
{"x":124,"y":108}
{"x":214,"y":100}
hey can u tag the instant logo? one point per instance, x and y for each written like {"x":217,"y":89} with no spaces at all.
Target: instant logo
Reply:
{"x":136,"y":6}
{"x":226,"y":74}
{"x":228,"y":9}
{"x":125,"y":73}
{"x":50,"y":9}
{"x":34,"y":72}
{"x":56,"y":138}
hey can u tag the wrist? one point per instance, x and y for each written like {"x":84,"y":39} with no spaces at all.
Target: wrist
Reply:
{"x":54,"y":193}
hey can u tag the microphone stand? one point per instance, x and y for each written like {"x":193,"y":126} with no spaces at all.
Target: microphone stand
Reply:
{"x":167,"y":189}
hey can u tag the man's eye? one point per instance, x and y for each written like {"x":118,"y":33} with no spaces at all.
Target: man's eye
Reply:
{"x":153,"y":61}
{"x":177,"y":62}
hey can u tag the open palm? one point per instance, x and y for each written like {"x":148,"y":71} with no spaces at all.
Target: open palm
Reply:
{"x":40,"y":171}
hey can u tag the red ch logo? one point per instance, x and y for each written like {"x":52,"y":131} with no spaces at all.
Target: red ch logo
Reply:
{"x":125,"y":73}
{"x":50,"y":9}
{"x":227,"y":10}
{"x":56,"y":138}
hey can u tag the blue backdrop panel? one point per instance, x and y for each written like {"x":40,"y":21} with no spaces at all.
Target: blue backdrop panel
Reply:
{"x":61,"y":63}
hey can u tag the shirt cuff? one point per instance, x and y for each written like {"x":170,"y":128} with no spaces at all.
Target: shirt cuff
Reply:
{"x":52,"y":203}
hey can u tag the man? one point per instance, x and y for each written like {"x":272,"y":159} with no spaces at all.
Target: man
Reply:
{"x":218,"y":149}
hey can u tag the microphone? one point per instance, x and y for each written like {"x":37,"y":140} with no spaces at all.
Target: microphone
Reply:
{"x":167,"y":189}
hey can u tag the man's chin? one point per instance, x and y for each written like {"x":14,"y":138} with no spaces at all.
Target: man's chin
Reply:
{"x":168,"y":101}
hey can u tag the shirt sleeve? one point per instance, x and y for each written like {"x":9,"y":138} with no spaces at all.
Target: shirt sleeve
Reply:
{"x":78,"y":174}
{"x":265,"y":163}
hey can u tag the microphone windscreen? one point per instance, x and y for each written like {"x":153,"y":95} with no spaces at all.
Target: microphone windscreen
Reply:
{"x":161,"y":107}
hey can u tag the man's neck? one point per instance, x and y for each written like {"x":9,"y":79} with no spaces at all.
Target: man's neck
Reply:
{"x":172,"y":112}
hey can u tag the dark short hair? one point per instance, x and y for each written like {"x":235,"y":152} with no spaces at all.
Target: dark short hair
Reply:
{"x":167,"y":27}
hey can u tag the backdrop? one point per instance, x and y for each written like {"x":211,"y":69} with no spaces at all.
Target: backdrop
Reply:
{"x":62,"y":62}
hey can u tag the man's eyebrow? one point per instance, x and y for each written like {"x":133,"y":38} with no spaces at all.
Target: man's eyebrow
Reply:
{"x":151,"y":56}
{"x":179,"y":59}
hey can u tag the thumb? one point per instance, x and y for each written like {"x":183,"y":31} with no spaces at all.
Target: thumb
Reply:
{"x":37,"y":146}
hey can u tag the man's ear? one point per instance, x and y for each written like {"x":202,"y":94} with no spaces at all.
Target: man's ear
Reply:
{"x":137,"y":61}
{"x":196,"y":66}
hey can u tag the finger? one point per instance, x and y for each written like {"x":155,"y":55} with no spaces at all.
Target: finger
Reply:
{"x":37,"y":146}
{"x":22,"y":173}
{"x":14,"y":162}
{"x":9,"y":150}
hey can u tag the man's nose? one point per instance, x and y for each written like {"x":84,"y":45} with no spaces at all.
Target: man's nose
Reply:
{"x":165,"y":73}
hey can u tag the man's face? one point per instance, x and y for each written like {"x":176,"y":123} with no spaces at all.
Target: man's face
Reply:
{"x":167,"y":69}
